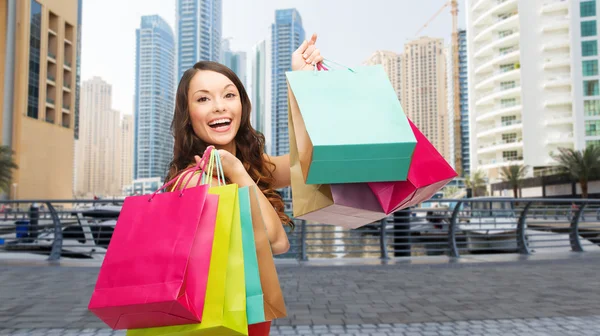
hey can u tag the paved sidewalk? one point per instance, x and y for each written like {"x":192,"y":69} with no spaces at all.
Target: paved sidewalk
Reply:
{"x":556,"y":326}
{"x":317,"y":294}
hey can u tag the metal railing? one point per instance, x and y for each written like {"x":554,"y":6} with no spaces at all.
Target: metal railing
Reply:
{"x":454,"y":227}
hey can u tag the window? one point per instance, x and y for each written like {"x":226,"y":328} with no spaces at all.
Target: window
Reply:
{"x":34,"y":60}
{"x":508,"y":118}
{"x":587,"y":8}
{"x":591,"y":108}
{"x":509,"y":138}
{"x":590,"y":68}
{"x":507,"y":85}
{"x":507,"y":67}
{"x":592,"y":127}
{"x":589,"y":48}
{"x":590,"y":88}
{"x":512,"y":101}
{"x":505,"y":33}
{"x":595,"y":143}
{"x":510,"y":155}
{"x":588,"y":28}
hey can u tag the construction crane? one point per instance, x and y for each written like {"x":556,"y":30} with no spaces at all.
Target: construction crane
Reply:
{"x":453,"y":4}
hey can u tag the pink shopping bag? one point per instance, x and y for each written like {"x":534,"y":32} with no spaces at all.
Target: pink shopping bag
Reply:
{"x":427,"y":174}
{"x":156,"y":268}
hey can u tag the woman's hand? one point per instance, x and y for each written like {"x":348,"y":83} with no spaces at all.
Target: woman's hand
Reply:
{"x":307,"y":55}
{"x":232,"y":166}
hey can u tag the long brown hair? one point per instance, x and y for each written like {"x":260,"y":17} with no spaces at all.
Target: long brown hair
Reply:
{"x":250,"y":144}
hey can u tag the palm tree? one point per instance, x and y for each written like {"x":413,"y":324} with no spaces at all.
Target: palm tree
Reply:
{"x":6,"y":167}
{"x":582,"y":165}
{"x":513,"y":174}
{"x":475,"y":181}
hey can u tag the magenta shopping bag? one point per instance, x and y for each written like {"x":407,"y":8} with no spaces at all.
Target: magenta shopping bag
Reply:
{"x":156,"y":267}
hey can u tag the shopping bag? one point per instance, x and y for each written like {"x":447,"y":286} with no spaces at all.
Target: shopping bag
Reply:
{"x":428,"y":173}
{"x":254,"y":295}
{"x":156,"y":267}
{"x":225,"y":304}
{"x":259,"y":329}
{"x":273,"y":297}
{"x":347,"y":205}
{"x":350,"y":126}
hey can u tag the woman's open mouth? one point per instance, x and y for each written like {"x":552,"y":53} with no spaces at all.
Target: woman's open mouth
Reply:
{"x":220,"y":125}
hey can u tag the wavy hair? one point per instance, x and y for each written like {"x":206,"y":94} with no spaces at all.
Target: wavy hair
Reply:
{"x":250,"y":144}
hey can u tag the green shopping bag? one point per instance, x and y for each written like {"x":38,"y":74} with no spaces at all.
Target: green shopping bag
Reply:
{"x":350,"y":127}
{"x":254,"y":295}
{"x":224,"y":311}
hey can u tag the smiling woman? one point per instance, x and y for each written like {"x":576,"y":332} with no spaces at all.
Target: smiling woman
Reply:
{"x":213,"y":108}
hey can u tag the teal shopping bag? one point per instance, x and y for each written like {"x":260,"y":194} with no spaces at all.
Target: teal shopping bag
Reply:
{"x":350,"y":126}
{"x":254,"y":294}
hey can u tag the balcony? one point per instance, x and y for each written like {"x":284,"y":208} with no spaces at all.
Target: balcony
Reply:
{"x":66,"y":108}
{"x":559,"y":119}
{"x":500,"y":145}
{"x":503,"y":127}
{"x":49,"y":101}
{"x":555,"y":7}
{"x":506,"y":58}
{"x":555,"y":82}
{"x":500,"y":74}
{"x":560,"y":139}
{"x":559,"y":100}
{"x":68,"y":64}
{"x":501,"y":6}
{"x":494,"y":163}
{"x":556,"y":44}
{"x":500,"y":42}
{"x":556,"y":25}
{"x":52,"y":57}
{"x":51,"y":80}
{"x":559,"y":62}
{"x":498,"y":111}
{"x":500,"y":25}
{"x":489,"y":96}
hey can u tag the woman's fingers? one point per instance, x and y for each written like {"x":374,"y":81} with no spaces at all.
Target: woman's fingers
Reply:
{"x":308,"y":52}
{"x":315,"y":57}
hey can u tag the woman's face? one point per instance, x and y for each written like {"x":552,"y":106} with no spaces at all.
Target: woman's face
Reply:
{"x":215,"y":108}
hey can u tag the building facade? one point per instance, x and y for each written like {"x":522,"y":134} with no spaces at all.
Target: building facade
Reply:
{"x":424,"y":93}
{"x":392,"y":64}
{"x":154,"y":97}
{"x":198,"y":28}
{"x":37,"y":81}
{"x":126,"y":150}
{"x":234,"y":60}
{"x":98,"y":163}
{"x":464,"y":102}
{"x":259,"y":88}
{"x":530,"y":79}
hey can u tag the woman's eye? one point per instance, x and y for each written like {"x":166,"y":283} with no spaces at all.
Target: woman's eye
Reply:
{"x":202,"y":99}
{"x":230,"y":95}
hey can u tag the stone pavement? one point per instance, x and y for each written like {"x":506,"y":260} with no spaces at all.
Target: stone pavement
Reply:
{"x":552,"y":295}
{"x":549,"y":326}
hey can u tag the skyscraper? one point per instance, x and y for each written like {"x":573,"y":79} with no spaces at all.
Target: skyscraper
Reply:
{"x":287,"y":34}
{"x":464,"y":101}
{"x":154,"y":97}
{"x":392,"y":64}
{"x":234,"y":60}
{"x":37,"y":94}
{"x":259,"y":87}
{"x":424,"y":93}
{"x":98,"y":156}
{"x":542,"y":80}
{"x":126,"y":150}
{"x":198,"y":27}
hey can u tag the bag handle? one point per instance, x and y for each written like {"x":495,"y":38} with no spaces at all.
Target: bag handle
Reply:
{"x":192,"y":170}
{"x":326,"y":64}
{"x":215,"y":163}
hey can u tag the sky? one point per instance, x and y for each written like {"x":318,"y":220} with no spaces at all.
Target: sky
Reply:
{"x":349,"y":31}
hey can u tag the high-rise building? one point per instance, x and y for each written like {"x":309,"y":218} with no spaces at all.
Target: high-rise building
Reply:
{"x":234,"y":60}
{"x":154,"y":101}
{"x":392,"y":64}
{"x":37,"y":81}
{"x":198,"y":28}
{"x":259,"y":87}
{"x":424,"y":93}
{"x":540,"y":80}
{"x":463,"y":85}
{"x":98,"y":157}
{"x":452,"y":136}
{"x":126,"y":150}
{"x":287,"y":33}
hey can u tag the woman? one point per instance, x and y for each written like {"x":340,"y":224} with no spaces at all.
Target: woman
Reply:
{"x":213,"y":108}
